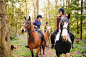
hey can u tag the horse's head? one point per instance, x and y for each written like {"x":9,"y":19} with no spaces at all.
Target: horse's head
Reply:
{"x":64,"y":28}
{"x":48,"y":30}
{"x":26,"y":24}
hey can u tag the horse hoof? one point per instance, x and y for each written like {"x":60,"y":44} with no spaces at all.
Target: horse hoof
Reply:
{"x":36,"y":56}
{"x":40,"y":53}
{"x":43,"y":55}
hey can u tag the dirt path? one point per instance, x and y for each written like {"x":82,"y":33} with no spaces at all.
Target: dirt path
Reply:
{"x":48,"y":52}
{"x":20,"y":47}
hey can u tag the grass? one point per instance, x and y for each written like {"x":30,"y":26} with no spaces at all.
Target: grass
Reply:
{"x":22,"y":51}
{"x":20,"y":42}
{"x":81,"y":48}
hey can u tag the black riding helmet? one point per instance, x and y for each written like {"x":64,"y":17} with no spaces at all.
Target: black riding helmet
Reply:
{"x":46,"y":22}
{"x":62,"y":10}
{"x":39,"y":16}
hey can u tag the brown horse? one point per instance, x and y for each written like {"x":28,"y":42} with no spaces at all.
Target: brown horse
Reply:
{"x":48,"y":34}
{"x":34,"y":40}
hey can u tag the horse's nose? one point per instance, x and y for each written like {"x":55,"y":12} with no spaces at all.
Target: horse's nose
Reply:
{"x":25,"y":30}
{"x":65,"y":36}
{"x":22,"y":30}
{"x":49,"y":32}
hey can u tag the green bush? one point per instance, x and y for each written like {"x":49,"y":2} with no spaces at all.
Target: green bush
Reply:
{"x":13,"y":34}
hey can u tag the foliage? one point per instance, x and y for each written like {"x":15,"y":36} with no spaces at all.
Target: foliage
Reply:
{"x":13,"y":34}
{"x":22,"y":50}
{"x":17,"y":9}
{"x":81,"y":48}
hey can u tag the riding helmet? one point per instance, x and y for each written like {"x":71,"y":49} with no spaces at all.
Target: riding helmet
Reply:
{"x":39,"y":16}
{"x":46,"y":22}
{"x":62,"y":10}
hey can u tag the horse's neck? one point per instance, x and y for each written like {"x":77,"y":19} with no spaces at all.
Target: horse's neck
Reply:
{"x":32,"y":34}
{"x":46,"y":32}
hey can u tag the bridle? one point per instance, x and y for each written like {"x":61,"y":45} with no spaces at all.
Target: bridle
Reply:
{"x":61,"y":32}
{"x":29,"y":31}
{"x":27,"y":25}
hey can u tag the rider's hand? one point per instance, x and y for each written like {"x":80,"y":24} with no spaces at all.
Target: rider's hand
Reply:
{"x":35,"y":26}
{"x":59,"y":18}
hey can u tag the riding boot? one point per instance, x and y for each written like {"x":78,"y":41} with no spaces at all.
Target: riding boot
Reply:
{"x":72,"y":38}
{"x":52,"y":46}
{"x":27,"y":46}
{"x":72,"y":46}
{"x":45,"y":42}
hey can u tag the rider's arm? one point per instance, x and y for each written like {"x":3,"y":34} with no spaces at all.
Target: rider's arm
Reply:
{"x":33,"y":22}
{"x":58,"y":23}
{"x":38,"y":23}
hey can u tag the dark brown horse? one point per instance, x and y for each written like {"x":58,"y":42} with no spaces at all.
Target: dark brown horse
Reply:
{"x":34,"y":40}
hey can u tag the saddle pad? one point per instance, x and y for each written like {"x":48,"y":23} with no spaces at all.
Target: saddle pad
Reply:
{"x":40,"y":37}
{"x":57,"y":37}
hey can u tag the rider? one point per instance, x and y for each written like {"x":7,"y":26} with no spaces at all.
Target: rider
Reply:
{"x":45,"y":27}
{"x":37,"y":23}
{"x":61,"y":13}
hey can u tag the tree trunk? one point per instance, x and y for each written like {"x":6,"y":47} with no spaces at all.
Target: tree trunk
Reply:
{"x":26,"y":8}
{"x":81,"y":17}
{"x":37,"y":7}
{"x":5,"y":47}
{"x":63,"y":3}
{"x":68,"y":3}
{"x":12,"y":17}
{"x":34,"y":9}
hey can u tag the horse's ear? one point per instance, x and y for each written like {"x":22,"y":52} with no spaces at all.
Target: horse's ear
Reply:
{"x":68,"y":16}
{"x":25,"y":17}
{"x":29,"y":18}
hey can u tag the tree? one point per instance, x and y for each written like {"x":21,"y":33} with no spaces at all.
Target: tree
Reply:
{"x":81,"y":17}
{"x":5,"y":46}
{"x":37,"y":7}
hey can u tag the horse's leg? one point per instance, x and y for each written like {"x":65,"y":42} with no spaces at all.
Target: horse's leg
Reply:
{"x":40,"y":50}
{"x":49,"y":39}
{"x":58,"y":55}
{"x":37,"y":51}
{"x":43,"y":49}
{"x":32,"y":52}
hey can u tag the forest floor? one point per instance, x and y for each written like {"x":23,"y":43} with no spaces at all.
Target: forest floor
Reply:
{"x":21,"y":41}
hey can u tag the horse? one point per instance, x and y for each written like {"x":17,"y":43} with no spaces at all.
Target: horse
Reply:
{"x":34,"y":40}
{"x":63,"y":42}
{"x":48,"y":34}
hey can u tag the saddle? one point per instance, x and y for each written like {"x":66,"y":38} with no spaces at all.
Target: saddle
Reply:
{"x":36,"y":29}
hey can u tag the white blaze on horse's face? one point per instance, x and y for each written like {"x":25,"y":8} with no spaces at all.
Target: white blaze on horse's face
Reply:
{"x":23,"y":29}
{"x":64,"y":31}
{"x":48,"y":28}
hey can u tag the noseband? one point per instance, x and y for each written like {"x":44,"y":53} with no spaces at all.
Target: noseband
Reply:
{"x":65,"y":28}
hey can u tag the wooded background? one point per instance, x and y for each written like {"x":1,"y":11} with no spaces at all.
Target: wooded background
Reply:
{"x":12,"y":14}
{"x":17,"y":9}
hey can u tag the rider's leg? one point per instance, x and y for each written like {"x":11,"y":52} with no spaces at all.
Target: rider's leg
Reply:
{"x":42,"y":36}
{"x":53,"y":38}
{"x":72,"y":38}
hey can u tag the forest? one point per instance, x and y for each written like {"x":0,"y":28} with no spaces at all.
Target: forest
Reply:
{"x":17,"y":9}
{"x":12,"y":14}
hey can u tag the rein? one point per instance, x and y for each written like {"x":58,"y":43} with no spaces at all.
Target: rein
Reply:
{"x":29,"y":31}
